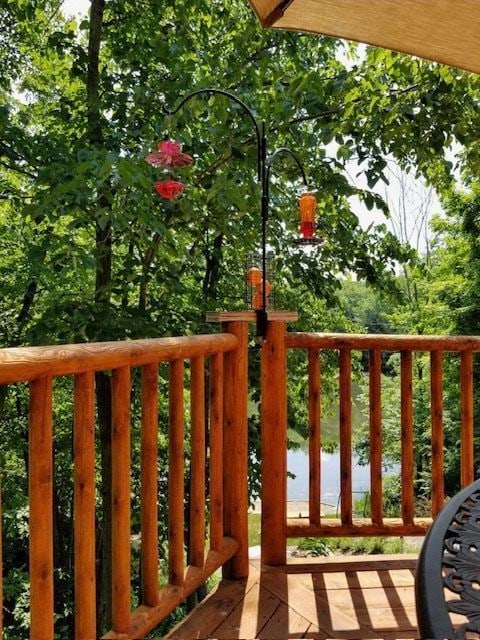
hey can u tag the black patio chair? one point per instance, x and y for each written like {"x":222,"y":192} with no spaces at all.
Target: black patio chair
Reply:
{"x":450,"y":558}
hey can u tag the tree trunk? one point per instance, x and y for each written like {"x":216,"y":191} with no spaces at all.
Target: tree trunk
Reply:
{"x":212,"y":268}
{"x":103,"y":284}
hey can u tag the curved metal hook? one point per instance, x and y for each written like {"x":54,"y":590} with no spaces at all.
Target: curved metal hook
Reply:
{"x":271,"y":160}
{"x":231,"y":96}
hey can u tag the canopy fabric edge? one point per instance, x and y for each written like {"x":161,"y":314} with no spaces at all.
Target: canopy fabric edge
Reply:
{"x":276,"y":14}
{"x":436,"y":30}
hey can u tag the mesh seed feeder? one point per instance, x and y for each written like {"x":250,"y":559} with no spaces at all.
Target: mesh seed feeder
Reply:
{"x":255,"y":283}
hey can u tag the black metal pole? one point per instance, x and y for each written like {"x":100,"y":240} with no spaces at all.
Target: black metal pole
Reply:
{"x":262,"y":313}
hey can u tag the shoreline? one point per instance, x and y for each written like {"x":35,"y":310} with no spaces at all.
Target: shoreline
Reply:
{"x":297,"y":508}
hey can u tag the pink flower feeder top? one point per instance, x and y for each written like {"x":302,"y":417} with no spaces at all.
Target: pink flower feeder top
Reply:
{"x":168,"y":154}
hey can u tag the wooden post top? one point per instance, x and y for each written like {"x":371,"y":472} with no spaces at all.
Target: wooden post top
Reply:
{"x":250,"y":316}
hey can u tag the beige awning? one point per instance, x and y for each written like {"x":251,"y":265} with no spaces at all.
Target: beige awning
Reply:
{"x":446,"y":31}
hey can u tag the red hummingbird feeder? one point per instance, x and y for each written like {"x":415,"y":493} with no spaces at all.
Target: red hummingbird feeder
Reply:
{"x":169,"y":154}
{"x":169,"y":189}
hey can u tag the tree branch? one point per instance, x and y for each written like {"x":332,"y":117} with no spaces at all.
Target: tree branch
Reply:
{"x":18,"y":170}
{"x":339,"y":109}
{"x":11,"y":195}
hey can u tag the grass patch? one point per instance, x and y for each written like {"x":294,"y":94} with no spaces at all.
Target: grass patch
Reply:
{"x":254,"y":524}
{"x":335,"y":546}
{"x":254,"y":528}
{"x":354,"y":546}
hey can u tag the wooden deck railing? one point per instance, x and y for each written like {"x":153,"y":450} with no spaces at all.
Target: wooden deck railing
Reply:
{"x":275,"y":525}
{"x":227,"y":484}
{"x":218,"y":450}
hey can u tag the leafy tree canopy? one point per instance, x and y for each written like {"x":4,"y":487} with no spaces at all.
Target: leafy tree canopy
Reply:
{"x":74,"y":138}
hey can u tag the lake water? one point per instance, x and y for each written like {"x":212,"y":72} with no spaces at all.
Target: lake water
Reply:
{"x":297,"y":460}
{"x":297,"y":488}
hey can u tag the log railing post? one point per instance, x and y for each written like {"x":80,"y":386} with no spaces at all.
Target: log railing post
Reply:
{"x":274,"y":445}
{"x":406,"y":394}
{"x":176,"y":470}
{"x":216,"y":452}
{"x":235,"y":461}
{"x":314,"y":440}
{"x":40,"y":492}
{"x":84,"y":505}
{"x":197,"y":462}
{"x":121,"y":389}
{"x":466,"y":418}
{"x":436,"y":413}
{"x":149,"y":485}
{"x":375,"y":402}
{"x":345,"y":415}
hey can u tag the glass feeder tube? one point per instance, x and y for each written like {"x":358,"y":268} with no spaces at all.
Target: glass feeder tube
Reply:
{"x":308,"y":206}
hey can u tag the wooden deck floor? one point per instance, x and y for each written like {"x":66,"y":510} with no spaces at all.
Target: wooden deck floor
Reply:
{"x":361,"y":597}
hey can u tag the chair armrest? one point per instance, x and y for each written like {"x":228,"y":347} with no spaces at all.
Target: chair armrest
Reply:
{"x":450,"y":558}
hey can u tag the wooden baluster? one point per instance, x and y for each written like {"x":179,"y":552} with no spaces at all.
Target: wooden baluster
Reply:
{"x":197,"y":473}
{"x":121,"y":390}
{"x":466,"y":413}
{"x":436,"y":412}
{"x":407,"y":436}
{"x":235,"y":449}
{"x":375,"y":392}
{"x":274,"y":445}
{"x":1,"y":569}
{"x":216,"y":452}
{"x":149,"y":485}
{"x":345,"y":437}
{"x":176,"y":474}
{"x":84,"y":505}
{"x":40,"y":490}
{"x":314,"y":435}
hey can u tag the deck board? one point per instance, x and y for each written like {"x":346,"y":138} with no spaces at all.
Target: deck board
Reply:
{"x":362,"y":597}
{"x":250,"y":615}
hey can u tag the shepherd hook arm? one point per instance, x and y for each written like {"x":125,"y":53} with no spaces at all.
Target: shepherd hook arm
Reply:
{"x":230,"y":96}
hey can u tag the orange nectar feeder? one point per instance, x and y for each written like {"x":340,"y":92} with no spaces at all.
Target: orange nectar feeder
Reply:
{"x":254,"y":276}
{"x":308,"y":206}
{"x":259,"y":288}
{"x":257,"y":301}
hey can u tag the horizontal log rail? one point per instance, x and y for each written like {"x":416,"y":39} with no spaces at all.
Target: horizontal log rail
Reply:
{"x":217,"y":371}
{"x":385,"y":342}
{"x":275,"y":432}
{"x":23,"y":364}
{"x":335,"y":528}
